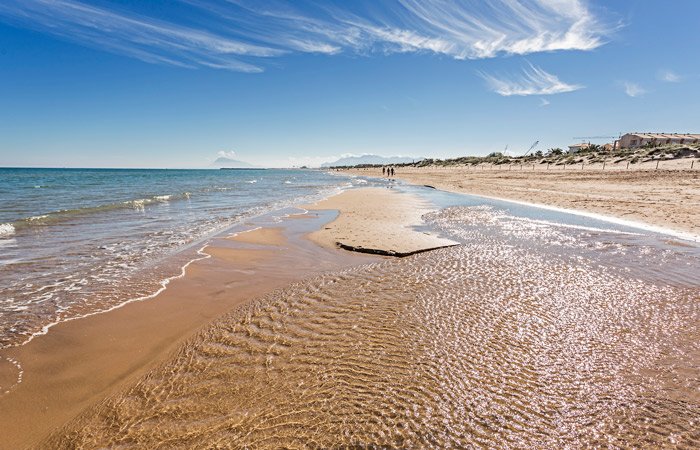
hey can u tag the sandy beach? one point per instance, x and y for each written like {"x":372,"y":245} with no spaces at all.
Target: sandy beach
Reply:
{"x":668,"y":197}
{"x":94,"y":357}
{"x":352,"y":349}
{"x":91,"y":358}
{"x":201,"y":246}
{"x":429,"y":350}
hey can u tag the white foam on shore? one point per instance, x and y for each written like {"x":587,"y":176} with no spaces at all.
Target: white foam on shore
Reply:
{"x":253,"y":212}
{"x":233,"y":235}
{"x":20,"y":375}
{"x":602,"y":217}
{"x":164,"y":284}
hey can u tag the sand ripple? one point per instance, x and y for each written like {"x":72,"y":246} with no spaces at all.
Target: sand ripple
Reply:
{"x":491,"y":344}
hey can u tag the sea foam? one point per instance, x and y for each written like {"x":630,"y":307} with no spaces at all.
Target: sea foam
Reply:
{"x":6,"y":230}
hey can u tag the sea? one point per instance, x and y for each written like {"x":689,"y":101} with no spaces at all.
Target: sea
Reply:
{"x":76,"y":242}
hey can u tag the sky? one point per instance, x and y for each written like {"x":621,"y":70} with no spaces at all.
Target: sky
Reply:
{"x":177,"y":83}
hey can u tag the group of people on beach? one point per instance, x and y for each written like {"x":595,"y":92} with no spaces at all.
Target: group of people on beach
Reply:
{"x":388,"y":171}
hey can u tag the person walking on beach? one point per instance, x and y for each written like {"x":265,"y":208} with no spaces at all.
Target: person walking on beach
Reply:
{"x":383,"y":170}
{"x":392,"y":172}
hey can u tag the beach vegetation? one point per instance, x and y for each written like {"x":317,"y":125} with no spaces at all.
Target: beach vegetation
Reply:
{"x":595,"y":154}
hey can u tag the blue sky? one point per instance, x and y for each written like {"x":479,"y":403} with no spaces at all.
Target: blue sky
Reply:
{"x":132,"y":83}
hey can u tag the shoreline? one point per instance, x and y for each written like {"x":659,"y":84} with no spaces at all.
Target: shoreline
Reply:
{"x":95,"y":359}
{"x":602,"y":217}
{"x":588,"y":214}
{"x":92,"y":358}
{"x":200,"y":255}
{"x":104,"y":352}
{"x":323,"y":360}
{"x":666,"y":202}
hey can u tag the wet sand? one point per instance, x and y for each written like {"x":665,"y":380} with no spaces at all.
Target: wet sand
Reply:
{"x":528,"y":335}
{"x":501,"y":341}
{"x":665,"y":198}
{"x":263,"y":236}
{"x":79,"y":363}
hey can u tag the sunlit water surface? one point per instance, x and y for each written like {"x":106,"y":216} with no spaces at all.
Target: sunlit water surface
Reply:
{"x":537,"y":332}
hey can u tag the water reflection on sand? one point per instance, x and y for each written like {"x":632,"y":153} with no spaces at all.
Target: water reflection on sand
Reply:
{"x":528,"y":335}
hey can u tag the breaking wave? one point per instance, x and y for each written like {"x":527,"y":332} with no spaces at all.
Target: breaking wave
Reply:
{"x":67,"y":214}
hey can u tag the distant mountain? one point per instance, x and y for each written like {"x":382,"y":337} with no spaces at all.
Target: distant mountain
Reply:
{"x":371,"y":159}
{"x":230,"y":163}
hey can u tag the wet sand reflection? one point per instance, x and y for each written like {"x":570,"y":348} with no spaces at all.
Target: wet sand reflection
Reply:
{"x":495,"y":343}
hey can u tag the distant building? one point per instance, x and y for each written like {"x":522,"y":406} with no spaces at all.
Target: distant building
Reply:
{"x":636,"y":140}
{"x":587,"y":145}
{"x":578,"y":147}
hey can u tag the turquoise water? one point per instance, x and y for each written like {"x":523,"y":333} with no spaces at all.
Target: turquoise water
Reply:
{"x":78,"y":241}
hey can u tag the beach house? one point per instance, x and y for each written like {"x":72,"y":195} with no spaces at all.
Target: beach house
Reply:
{"x":635,"y":140}
{"x":578,"y":147}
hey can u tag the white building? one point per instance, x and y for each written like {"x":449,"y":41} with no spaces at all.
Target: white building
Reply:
{"x":578,"y":147}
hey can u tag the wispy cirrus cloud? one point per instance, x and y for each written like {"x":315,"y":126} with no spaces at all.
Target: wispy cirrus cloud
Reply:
{"x":239,"y":35}
{"x":463,"y":29}
{"x":531,"y":81}
{"x":633,"y":89}
{"x":470,"y":29}
{"x":147,"y":39}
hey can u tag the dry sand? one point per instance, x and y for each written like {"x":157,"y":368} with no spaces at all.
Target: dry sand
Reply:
{"x":377,"y":220}
{"x":664,"y":198}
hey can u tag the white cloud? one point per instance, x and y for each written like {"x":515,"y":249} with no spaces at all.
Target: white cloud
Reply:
{"x":482,"y":30}
{"x":532,"y":81}
{"x":633,"y":89}
{"x":669,"y":76}
{"x":224,"y":154}
{"x":147,"y":39}
{"x":237,"y":34}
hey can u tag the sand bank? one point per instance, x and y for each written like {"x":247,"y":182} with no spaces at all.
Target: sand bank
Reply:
{"x":377,"y":220}
{"x":663,"y":198}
